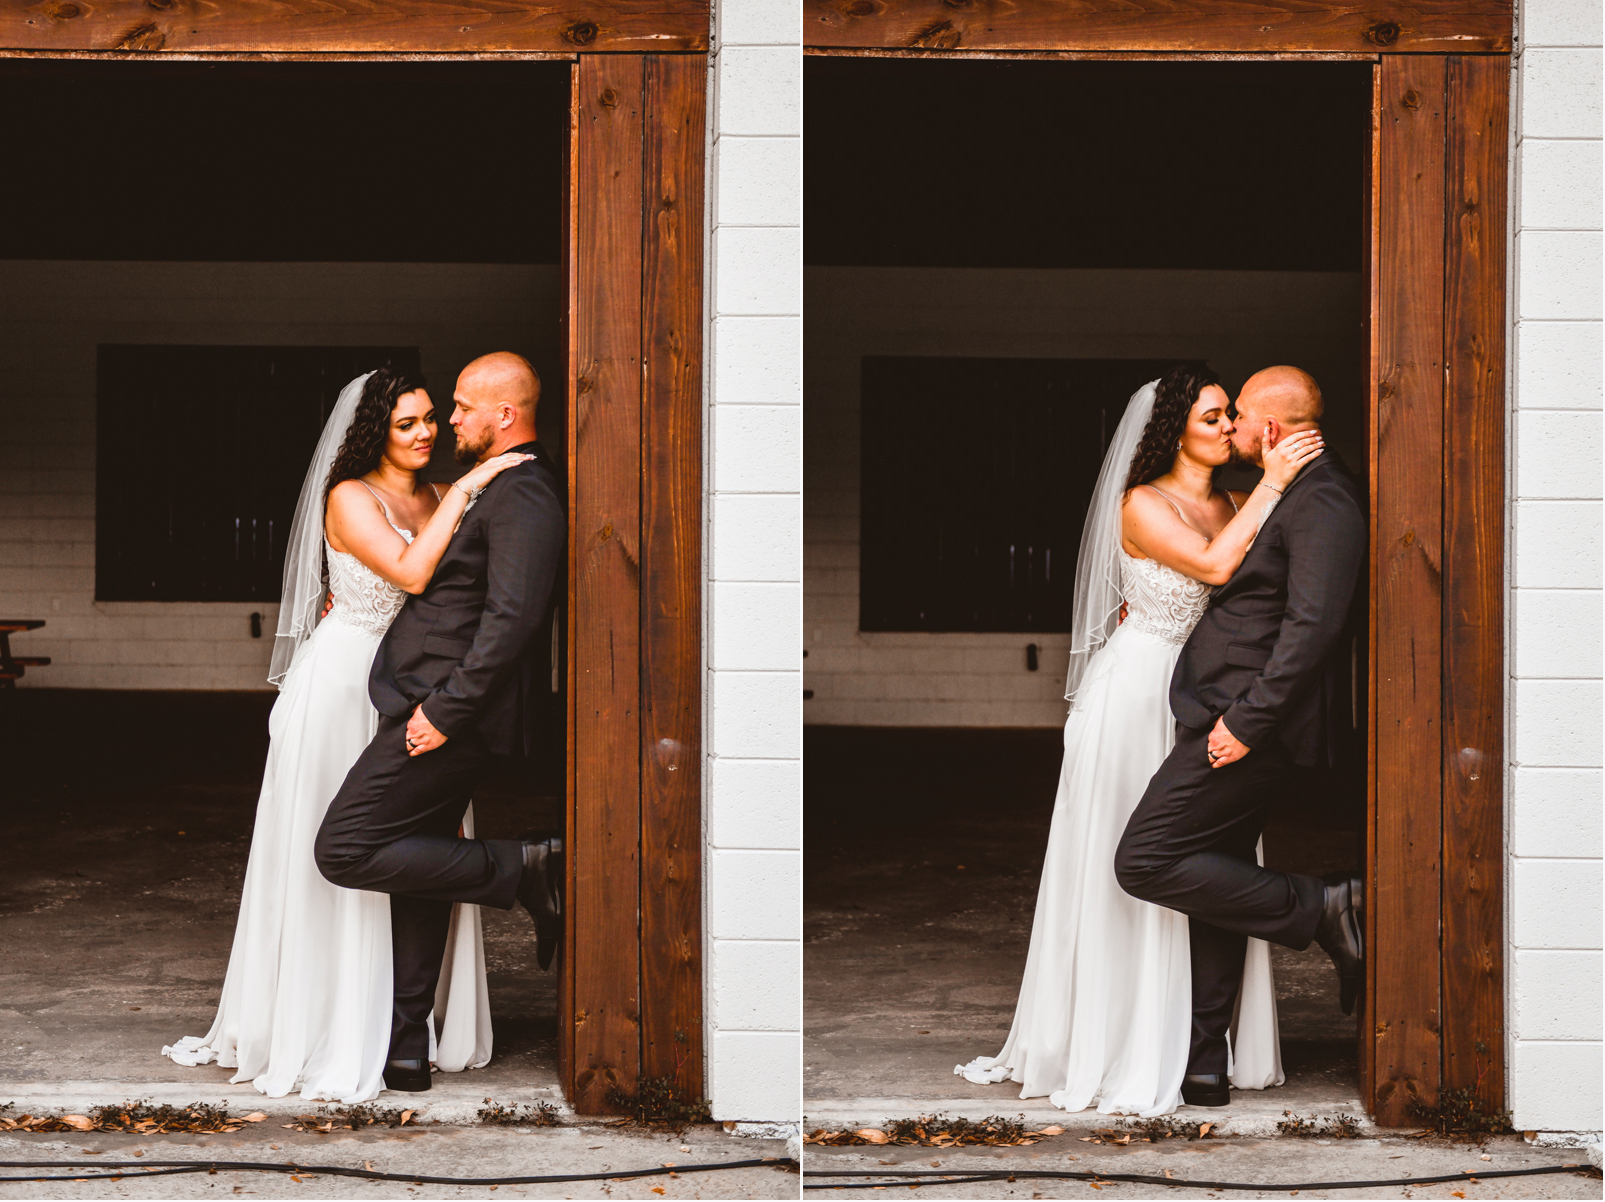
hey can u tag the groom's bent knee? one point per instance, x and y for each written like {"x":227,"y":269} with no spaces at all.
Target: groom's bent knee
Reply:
{"x":338,"y":860}
{"x":1135,"y":872}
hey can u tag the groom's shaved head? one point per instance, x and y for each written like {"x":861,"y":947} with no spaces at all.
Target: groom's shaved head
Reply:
{"x":504,"y":378}
{"x":1288,"y":394}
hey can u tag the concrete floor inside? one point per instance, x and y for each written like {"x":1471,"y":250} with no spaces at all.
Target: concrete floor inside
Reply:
{"x":128,"y":820}
{"x":924,"y":850}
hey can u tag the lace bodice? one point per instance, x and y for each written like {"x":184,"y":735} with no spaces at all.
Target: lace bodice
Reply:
{"x":362,"y":597}
{"x":1160,"y":600}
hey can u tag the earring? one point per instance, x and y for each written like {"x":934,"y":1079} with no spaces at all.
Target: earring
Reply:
{"x":1178,"y":444}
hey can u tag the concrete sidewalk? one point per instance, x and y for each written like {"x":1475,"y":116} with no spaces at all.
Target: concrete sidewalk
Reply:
{"x":1282,"y":1161}
{"x":438,"y":1151}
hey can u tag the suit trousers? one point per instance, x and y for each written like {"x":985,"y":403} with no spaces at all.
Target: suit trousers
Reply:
{"x":1190,"y":846}
{"x":392,"y":829}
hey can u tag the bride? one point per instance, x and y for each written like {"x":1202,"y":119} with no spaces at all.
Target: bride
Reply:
{"x":306,"y":1004}
{"x":1105,"y":1008}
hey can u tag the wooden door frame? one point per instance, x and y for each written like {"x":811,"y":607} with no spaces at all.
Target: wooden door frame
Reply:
{"x":630,"y":976}
{"x":1432,"y":1014}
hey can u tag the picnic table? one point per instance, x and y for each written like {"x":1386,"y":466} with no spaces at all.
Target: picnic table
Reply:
{"x":13,"y":666}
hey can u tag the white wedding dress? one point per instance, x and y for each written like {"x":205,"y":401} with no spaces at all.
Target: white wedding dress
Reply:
{"x":306,"y":1004}
{"x":1105,"y":1010}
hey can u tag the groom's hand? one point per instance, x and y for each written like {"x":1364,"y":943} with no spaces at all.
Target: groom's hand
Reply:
{"x":1223,"y":746}
{"x":421,"y":733}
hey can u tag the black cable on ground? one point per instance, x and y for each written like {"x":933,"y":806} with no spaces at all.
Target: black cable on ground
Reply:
{"x":937,"y":1177}
{"x":140,"y":1169}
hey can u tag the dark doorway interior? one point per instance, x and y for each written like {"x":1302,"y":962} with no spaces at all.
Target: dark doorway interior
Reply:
{"x":938,"y":182}
{"x":262,"y":184}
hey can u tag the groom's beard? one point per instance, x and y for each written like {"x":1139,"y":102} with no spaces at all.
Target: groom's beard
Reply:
{"x":1238,"y":456}
{"x":468,"y":452}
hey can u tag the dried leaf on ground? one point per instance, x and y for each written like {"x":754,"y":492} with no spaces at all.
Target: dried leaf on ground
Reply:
{"x":936,"y":1131}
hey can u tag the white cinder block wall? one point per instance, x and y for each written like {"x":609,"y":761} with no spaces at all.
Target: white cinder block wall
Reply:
{"x":754,"y":539}
{"x":1555,"y":782}
{"x":53,"y":315}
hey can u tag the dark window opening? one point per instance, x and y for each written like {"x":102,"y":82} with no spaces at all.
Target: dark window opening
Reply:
{"x":201,"y":453}
{"x":976,"y":475}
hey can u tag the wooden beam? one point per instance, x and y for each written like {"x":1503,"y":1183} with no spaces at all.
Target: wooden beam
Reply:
{"x":671,"y":573}
{"x":1365,"y":1026}
{"x":1407,"y":562}
{"x":1473,"y":579}
{"x":1416,"y":26}
{"x":564,"y":967}
{"x":1097,"y":56}
{"x":152,"y":26}
{"x":604,"y":957}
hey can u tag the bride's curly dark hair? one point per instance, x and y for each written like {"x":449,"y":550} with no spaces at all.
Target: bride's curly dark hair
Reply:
{"x":1174,"y":399}
{"x":370,"y":424}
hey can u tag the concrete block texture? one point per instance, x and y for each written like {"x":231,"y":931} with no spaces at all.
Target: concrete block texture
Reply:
{"x":1557,"y":994}
{"x":1559,"y":184}
{"x":758,"y":270}
{"x":760,"y":181}
{"x":755,"y":715}
{"x":759,"y":91}
{"x":755,"y":895}
{"x":757,"y":449}
{"x":1560,"y":93}
{"x":1557,"y":544}
{"x":1554,"y":1086}
{"x":1561,"y":23}
{"x":1558,"y":274}
{"x":760,"y":804}
{"x":1555,"y":904}
{"x":749,"y":1070}
{"x":757,"y":361}
{"x":757,"y":985}
{"x":1557,"y":633}
{"x":1558,"y":454}
{"x":759,"y":537}
{"x":1558,"y":723}
{"x":1558,"y":364}
{"x":1556,"y":812}
{"x":759,"y":23}
{"x":755,"y":627}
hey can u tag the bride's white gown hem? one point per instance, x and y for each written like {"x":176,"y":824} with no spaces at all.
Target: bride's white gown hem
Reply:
{"x":306,"y":1003}
{"x":1104,"y":1015}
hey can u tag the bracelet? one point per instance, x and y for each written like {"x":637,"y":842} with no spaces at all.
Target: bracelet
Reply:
{"x":1272,"y":487}
{"x":467,"y":492}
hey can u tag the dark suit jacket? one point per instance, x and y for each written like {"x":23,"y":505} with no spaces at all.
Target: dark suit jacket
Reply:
{"x":462,"y":646}
{"x":1270,"y":653}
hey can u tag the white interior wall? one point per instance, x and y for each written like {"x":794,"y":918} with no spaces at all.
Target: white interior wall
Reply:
{"x":753,"y":740}
{"x":1554,"y":960}
{"x":53,"y":315}
{"x":1239,"y":321}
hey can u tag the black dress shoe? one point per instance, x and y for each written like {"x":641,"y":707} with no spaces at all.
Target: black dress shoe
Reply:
{"x":1205,"y":1089}
{"x":409,"y":1075}
{"x":541,"y":892}
{"x":1341,"y":934}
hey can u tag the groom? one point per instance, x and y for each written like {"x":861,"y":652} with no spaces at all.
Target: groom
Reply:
{"x":454,"y":683}
{"x":1258,"y":694}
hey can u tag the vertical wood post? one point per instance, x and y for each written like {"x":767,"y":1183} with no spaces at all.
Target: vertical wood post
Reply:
{"x":671,"y":528}
{"x":1404,"y":899}
{"x":631,"y":1005}
{"x":603,"y":955}
{"x":1478,"y":95}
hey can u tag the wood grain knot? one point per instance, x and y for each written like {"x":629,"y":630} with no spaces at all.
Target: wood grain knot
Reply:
{"x":961,"y":5}
{"x":581,"y":33}
{"x":609,"y":99}
{"x":145,"y":36}
{"x":63,"y":12}
{"x":161,"y":6}
{"x":860,"y":8}
{"x":1408,"y":539}
{"x":940,"y":36}
{"x":1412,"y":99}
{"x":607,"y":533}
{"x":1383,"y":33}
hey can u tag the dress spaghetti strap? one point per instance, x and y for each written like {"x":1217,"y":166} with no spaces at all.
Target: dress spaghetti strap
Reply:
{"x":1174,"y":506}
